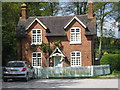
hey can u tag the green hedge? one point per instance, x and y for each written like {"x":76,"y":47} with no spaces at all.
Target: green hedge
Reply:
{"x":113,"y":60}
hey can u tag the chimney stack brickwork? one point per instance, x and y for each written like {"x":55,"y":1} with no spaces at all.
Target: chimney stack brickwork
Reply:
{"x":90,"y":9}
{"x":24,"y":11}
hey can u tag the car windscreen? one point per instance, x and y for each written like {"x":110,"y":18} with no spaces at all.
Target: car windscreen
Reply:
{"x":15,"y":64}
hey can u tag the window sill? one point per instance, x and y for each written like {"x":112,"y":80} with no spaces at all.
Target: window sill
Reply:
{"x":37,"y":67}
{"x":75,"y":43}
{"x":76,"y":66}
{"x":36,"y":44}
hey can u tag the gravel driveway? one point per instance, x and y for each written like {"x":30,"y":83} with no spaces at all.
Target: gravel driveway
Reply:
{"x":63,"y":83}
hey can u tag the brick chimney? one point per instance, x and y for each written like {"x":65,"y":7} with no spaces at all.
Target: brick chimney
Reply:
{"x":24,"y":11}
{"x":90,"y":9}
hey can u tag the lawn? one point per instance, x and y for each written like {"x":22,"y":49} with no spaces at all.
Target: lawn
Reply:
{"x":115,"y":74}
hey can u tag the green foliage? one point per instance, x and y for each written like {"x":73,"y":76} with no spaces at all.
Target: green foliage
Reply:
{"x":45,"y":48}
{"x":105,"y":53}
{"x":56,"y":43}
{"x":76,"y":8}
{"x":42,"y":8}
{"x":113,"y":60}
{"x":109,"y":45}
{"x":11,"y":11}
{"x":33,"y":45}
{"x":10,"y":16}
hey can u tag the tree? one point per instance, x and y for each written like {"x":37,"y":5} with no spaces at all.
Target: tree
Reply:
{"x":42,"y":8}
{"x":54,"y":8}
{"x":76,"y":8}
{"x":11,"y":11}
{"x":10,"y":16}
{"x":102,"y":13}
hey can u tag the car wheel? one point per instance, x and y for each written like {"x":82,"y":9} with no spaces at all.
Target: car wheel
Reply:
{"x":5,"y":80}
{"x":26,"y":78}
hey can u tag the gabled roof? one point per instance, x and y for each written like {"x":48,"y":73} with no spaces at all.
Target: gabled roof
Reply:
{"x":56,"y":25}
{"x":57,"y":52}
{"x":36,"y":19}
{"x":74,"y":18}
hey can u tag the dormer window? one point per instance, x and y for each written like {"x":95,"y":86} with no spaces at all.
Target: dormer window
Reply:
{"x":36,"y":36}
{"x":75,"y":35}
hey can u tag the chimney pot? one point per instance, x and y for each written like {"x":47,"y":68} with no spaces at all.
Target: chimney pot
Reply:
{"x":24,"y":11}
{"x":23,"y":5}
{"x":90,"y":9}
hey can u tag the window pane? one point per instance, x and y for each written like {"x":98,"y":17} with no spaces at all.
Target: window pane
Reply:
{"x":75,"y":58}
{"x":72,"y":36}
{"x":38,"y":31}
{"x":36,"y":36}
{"x":72,"y":30}
{"x":77,"y":30}
{"x":73,"y":54}
{"x":39,"y":60}
{"x":36,"y":59}
{"x":39,"y":55}
{"x":77,"y":36}
{"x":34,"y":54}
{"x":34,"y":31}
{"x":78,"y":53}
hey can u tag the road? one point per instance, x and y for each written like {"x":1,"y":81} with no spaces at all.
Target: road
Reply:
{"x":63,"y":83}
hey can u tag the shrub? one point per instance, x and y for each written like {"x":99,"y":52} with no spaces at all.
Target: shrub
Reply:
{"x":105,"y":53}
{"x":56,"y":43}
{"x":113,"y":60}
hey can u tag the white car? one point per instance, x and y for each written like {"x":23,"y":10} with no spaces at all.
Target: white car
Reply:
{"x":18,"y":69}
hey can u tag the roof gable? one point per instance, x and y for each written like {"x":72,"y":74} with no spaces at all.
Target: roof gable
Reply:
{"x":72,"y":21}
{"x":36,"y":19}
{"x":57,"y":52}
{"x":54,"y":25}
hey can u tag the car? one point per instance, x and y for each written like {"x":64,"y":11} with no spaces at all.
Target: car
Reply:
{"x":18,"y":69}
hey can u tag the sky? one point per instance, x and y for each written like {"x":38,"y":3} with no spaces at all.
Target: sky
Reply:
{"x":111,"y":29}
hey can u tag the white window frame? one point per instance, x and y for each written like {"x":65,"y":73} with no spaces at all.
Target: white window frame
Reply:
{"x":75,"y":35}
{"x":36,"y":36}
{"x":73,"y":63}
{"x":37,"y":59}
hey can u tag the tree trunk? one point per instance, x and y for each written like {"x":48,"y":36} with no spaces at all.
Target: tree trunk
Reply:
{"x":85,"y":7}
{"x":101,"y":32}
{"x":100,"y":49}
{"x":52,"y":10}
{"x":77,"y":6}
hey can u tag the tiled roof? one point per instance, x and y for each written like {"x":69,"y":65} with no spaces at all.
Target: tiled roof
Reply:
{"x":55,"y":25}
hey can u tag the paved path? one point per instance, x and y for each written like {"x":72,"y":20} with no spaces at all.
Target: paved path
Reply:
{"x":63,"y":83}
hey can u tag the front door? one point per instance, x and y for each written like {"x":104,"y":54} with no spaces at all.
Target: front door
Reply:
{"x":57,"y":61}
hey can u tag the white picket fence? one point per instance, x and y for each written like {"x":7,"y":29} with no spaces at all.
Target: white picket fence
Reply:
{"x":82,"y":71}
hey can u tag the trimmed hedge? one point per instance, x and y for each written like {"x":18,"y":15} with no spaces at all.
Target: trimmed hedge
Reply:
{"x":113,"y":60}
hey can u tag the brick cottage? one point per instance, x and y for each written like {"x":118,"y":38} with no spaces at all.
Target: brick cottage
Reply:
{"x":76,"y":33}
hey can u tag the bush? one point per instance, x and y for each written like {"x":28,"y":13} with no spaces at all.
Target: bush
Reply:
{"x":105,"y":53}
{"x":113,"y":60}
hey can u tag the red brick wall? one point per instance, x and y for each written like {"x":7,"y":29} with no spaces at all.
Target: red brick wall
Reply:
{"x":27,"y":49}
{"x":85,"y":48}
